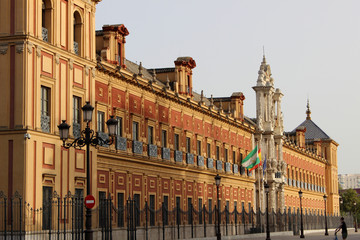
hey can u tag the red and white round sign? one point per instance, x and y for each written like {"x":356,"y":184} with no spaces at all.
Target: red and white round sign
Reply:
{"x":89,"y":201}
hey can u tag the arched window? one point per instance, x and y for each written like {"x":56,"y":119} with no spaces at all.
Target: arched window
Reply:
{"x":46,"y":10}
{"x":77,"y":33}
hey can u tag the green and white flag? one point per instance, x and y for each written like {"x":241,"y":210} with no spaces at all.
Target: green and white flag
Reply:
{"x":253,"y":159}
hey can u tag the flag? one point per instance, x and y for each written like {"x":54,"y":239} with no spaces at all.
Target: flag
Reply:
{"x":264,"y":165}
{"x":252,"y":160}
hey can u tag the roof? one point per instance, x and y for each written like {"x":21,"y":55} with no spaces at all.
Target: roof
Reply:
{"x":312,"y":131}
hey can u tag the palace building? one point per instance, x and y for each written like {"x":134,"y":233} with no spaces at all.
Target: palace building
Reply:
{"x":171,"y":141}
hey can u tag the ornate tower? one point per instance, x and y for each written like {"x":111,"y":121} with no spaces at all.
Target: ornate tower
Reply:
{"x":269,"y":137}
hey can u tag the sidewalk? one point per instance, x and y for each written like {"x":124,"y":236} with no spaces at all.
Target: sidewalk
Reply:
{"x":309,"y":234}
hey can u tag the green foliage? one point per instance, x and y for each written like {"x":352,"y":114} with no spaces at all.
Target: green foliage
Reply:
{"x":349,"y":197}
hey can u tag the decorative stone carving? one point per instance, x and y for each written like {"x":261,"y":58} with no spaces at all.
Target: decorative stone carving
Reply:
{"x":57,"y":58}
{"x":120,"y":143}
{"x":71,"y":64}
{"x":19,"y":47}
{"x":3,"y":49}
{"x":210,"y":163}
{"x":165,"y":153}
{"x":87,"y":68}
{"x":152,"y":150}
{"x":38,"y":51}
{"x":137,"y":147}
{"x":189,"y":158}
{"x":30,"y":47}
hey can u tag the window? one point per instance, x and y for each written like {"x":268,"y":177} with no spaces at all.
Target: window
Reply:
{"x":235,"y":206}
{"x":228,"y":210}
{"x":102,"y":216}
{"x":119,"y":128}
{"x":152,"y":210}
{"x":189,"y":209}
{"x":178,"y":210}
{"x":46,"y":20}
{"x":45,"y":101}
{"x":226,"y":155}
{"x":150,"y":135}
{"x":200,"y":210}
{"x":234,"y":157}
{"x":47,"y":191}
{"x":135,"y":131}
{"x":121,"y":205}
{"x":188,"y":145}
{"x":45,"y":109}
{"x":188,"y":85}
{"x":77,"y":33}
{"x":198,"y":147}
{"x":217,"y":153}
{"x":76,"y":109}
{"x":137,"y":205}
{"x":119,"y":54}
{"x":163,"y":138}
{"x":166,"y":206}
{"x":100,"y":121}
{"x":208,"y":150}
{"x":210,"y":210}
{"x":176,"y":142}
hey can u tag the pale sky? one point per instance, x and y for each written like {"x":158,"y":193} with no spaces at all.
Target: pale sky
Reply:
{"x":313,"y":48}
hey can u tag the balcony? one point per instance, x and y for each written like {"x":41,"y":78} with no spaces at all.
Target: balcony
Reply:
{"x":137,"y":147}
{"x":219,"y":165}
{"x":227,"y":167}
{"x":165,"y":153}
{"x":103,"y":136}
{"x":152,"y":150}
{"x":45,"y":34}
{"x":200,"y":161}
{"x":76,"y":130}
{"x":189,"y":158}
{"x":178,"y":156}
{"x":76,"y":48}
{"x":210,"y":163}
{"x":45,"y":123}
{"x":235,"y":168}
{"x":120,"y":143}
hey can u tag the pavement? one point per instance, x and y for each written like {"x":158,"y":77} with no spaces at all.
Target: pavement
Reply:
{"x":309,"y":235}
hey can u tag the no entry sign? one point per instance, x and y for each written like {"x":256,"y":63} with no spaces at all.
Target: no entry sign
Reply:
{"x":89,"y":201}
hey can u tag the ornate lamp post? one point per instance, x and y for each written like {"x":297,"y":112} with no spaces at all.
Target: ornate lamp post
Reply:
{"x":301,"y":216}
{"x":266,"y":186}
{"x":217,"y":182}
{"x":355,"y":217}
{"x":87,"y":138}
{"x":326,"y":227}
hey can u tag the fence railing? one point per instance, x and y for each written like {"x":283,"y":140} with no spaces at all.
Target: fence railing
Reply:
{"x":64,"y":218}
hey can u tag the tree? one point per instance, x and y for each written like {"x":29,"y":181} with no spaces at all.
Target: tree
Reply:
{"x":349,"y":197}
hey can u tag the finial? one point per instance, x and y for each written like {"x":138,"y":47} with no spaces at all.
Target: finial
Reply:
{"x":140,"y":70}
{"x":154,"y":75}
{"x":167,"y":82}
{"x":202,"y":96}
{"x":308,"y":112}
{"x":211,"y":101}
{"x":264,"y":59}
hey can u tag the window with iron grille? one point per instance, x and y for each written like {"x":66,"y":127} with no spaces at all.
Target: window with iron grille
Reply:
{"x":150,"y":135}
{"x":189,"y":210}
{"x":135,"y":131}
{"x":163,"y":138}
{"x":200,"y":209}
{"x":176,"y":141}
{"x":234,"y":157}
{"x":45,"y":101}
{"x":77,"y":109}
{"x":100,"y":121}
{"x":210,"y":210}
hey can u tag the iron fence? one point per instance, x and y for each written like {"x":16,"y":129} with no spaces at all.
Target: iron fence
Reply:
{"x":64,"y":218}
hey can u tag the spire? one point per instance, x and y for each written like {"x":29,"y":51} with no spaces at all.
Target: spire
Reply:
{"x":264,"y":59}
{"x":167,"y":82}
{"x":308,"y":112}
{"x":140,"y":70}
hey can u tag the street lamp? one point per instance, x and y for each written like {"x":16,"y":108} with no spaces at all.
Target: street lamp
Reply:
{"x":217,"y":182}
{"x":355,"y":217}
{"x":301,"y":217}
{"x":87,"y":138}
{"x":266,"y":186}
{"x":326,"y":227}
